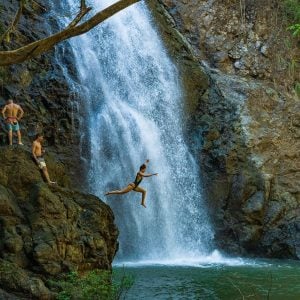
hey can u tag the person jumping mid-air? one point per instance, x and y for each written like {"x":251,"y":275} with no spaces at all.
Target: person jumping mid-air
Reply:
{"x":134,"y":186}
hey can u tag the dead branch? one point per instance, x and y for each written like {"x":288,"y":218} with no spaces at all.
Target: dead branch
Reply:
{"x":83,"y":11}
{"x":12,"y":27}
{"x":41,"y":46}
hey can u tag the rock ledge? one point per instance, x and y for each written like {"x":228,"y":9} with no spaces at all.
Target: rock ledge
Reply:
{"x":46,"y":231}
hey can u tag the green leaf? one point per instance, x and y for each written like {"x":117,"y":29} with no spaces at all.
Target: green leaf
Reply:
{"x":295,"y":29}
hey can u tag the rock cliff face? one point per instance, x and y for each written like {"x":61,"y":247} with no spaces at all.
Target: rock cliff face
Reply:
{"x":41,"y":88}
{"x":46,"y":231}
{"x":243,"y":123}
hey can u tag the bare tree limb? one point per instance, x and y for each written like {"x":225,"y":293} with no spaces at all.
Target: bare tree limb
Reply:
{"x":83,"y":11}
{"x":41,"y":46}
{"x":12,"y":27}
{"x":39,"y":5}
{"x":82,"y":4}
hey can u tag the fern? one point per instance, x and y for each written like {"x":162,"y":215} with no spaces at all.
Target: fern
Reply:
{"x":295,"y":29}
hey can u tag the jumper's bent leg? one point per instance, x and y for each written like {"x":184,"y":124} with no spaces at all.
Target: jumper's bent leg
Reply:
{"x":123,"y":191}
{"x":144,"y":193}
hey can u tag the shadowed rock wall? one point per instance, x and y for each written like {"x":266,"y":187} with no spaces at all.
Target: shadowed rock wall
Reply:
{"x":40,"y":86}
{"x":243,"y":124}
{"x":46,"y":231}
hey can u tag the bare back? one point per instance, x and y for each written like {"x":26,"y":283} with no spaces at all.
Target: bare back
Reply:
{"x":12,"y":110}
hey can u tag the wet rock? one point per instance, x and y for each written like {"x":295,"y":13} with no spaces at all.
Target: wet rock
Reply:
{"x":15,"y":279}
{"x":238,"y":65}
{"x":46,"y":231}
{"x":6,"y":296}
{"x":220,"y":26}
{"x":243,"y":128}
{"x":265,"y":50}
{"x":254,"y":204}
{"x":41,"y":87}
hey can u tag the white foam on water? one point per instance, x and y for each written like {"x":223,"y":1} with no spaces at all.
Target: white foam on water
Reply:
{"x":213,"y":260}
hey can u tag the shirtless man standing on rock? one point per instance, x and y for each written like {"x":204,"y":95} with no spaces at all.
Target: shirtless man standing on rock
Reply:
{"x":13,"y":113}
{"x":38,"y":152}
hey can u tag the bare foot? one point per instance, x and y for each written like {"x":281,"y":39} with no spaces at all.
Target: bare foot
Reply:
{"x":143,"y":204}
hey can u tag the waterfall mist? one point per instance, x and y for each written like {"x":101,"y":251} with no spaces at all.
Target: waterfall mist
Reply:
{"x":134,"y":109}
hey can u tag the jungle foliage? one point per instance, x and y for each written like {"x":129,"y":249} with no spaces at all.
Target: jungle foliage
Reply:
{"x":96,"y":284}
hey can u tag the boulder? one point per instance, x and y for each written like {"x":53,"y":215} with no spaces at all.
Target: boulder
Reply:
{"x":47,"y":230}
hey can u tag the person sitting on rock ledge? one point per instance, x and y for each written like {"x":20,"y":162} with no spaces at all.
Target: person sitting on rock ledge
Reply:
{"x":38,"y":152}
{"x":134,"y":186}
{"x":13,"y":113}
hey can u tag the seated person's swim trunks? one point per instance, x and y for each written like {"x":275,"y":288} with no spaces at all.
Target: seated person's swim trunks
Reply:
{"x":12,"y":124}
{"x":41,"y":162}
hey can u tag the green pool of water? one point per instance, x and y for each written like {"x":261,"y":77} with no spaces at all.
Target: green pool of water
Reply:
{"x":276,"y":280}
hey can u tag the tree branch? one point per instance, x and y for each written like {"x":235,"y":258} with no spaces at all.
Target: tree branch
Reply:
{"x":82,"y":4}
{"x":41,"y":46}
{"x":12,"y":27}
{"x":83,"y":11}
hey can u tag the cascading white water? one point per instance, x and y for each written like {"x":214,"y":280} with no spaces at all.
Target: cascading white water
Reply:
{"x":134,"y":107}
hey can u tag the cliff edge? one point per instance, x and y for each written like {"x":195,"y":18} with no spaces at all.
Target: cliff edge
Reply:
{"x":47,"y":230}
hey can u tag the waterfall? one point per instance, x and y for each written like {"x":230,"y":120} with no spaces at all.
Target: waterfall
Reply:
{"x":133,"y":102}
